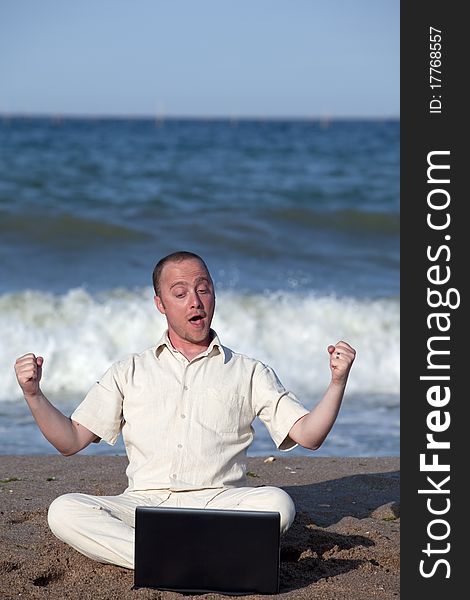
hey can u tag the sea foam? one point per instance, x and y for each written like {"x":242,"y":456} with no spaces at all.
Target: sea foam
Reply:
{"x":80,"y":334}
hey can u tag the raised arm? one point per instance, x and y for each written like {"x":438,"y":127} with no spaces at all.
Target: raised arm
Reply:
{"x":311,"y":430}
{"x":67,"y":436}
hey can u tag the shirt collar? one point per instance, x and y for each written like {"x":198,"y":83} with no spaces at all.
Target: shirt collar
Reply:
{"x":215,"y":347}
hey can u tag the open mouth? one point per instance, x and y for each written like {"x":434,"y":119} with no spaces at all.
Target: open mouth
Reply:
{"x":197,"y":320}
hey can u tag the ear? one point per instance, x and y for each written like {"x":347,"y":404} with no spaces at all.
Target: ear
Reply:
{"x":159,"y":304}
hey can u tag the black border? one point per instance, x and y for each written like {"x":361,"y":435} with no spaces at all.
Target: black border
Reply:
{"x":420,"y":133}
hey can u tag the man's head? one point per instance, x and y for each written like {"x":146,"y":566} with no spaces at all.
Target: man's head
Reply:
{"x":184,"y":293}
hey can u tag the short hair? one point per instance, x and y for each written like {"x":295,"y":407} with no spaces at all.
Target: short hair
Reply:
{"x":173,"y":257}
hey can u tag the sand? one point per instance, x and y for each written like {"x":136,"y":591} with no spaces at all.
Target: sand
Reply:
{"x":344,"y":542}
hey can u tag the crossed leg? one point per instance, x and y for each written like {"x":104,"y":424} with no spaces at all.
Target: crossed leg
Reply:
{"x":102,"y":527}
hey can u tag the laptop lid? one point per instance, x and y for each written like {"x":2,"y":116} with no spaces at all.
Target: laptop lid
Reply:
{"x":207,"y":550}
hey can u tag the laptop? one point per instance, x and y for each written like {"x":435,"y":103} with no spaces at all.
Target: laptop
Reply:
{"x":195,"y":550}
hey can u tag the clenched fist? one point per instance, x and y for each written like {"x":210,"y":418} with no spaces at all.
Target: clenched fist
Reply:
{"x":342,"y":356}
{"x":28,"y":369}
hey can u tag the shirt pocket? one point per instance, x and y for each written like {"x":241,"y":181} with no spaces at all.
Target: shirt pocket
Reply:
{"x":219,"y":409}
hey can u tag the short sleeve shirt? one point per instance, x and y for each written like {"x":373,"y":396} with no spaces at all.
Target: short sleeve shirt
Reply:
{"x":188,"y":424}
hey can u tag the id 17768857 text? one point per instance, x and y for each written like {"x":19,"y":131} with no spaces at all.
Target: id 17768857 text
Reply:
{"x":435,"y":71}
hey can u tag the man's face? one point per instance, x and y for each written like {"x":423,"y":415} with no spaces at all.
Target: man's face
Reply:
{"x":187,"y":300}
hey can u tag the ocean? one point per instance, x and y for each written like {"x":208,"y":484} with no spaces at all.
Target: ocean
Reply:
{"x":297,"y":220}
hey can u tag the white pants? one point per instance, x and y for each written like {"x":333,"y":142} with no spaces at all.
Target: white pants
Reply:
{"x":102,"y":527}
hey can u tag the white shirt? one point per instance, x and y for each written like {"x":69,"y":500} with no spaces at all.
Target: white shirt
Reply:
{"x":188,"y":424}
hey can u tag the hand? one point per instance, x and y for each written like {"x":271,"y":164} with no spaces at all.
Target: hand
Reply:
{"x":342,"y":356}
{"x":28,"y":371}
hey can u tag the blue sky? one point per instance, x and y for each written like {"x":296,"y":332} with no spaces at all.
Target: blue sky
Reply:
{"x":239,"y":58}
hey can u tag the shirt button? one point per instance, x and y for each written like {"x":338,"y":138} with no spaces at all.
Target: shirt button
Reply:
{"x":183,"y":416}
{"x":180,"y":445}
{"x":186,"y":388}
{"x":173,"y":476}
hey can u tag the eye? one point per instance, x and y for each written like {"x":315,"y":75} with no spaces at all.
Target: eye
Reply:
{"x":203,"y":290}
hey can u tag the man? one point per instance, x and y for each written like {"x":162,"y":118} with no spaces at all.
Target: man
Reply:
{"x":185,"y":409}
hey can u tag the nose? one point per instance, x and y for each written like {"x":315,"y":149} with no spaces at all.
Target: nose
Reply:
{"x":196,"y":301}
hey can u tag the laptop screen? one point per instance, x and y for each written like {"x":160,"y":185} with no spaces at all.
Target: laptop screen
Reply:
{"x":207,"y":550}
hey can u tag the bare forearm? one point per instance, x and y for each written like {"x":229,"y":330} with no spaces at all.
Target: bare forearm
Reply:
{"x":315,"y":426}
{"x":54,"y":425}
{"x":311,"y":430}
{"x":67,"y":436}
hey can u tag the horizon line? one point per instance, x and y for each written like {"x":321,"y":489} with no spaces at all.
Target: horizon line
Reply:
{"x":174,"y":117}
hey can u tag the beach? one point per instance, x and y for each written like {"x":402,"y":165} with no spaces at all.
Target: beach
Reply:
{"x":298,"y":221}
{"x":344,"y":542}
